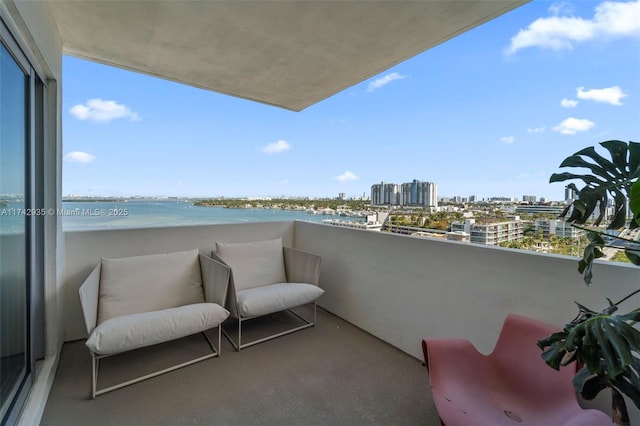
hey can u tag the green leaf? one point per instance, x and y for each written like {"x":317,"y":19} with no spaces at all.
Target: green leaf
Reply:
{"x":631,"y":316}
{"x":589,"y":385}
{"x":618,"y":152}
{"x":633,"y":256}
{"x":605,"y":347}
{"x":634,"y":159}
{"x":553,"y":356}
{"x":561,"y":177}
{"x":603,"y":168}
{"x":620,"y":345}
{"x":589,"y":353}
{"x":629,"y":384}
{"x":603,"y":179}
{"x":634,"y":201}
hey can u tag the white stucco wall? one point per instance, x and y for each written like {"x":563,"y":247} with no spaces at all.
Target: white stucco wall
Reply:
{"x":403,"y":288}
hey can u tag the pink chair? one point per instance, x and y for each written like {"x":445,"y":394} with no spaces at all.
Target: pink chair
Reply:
{"x":511,"y":386}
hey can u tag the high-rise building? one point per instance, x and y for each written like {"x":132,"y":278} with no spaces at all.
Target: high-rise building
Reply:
{"x":569,"y":194}
{"x":418,"y":193}
{"x":529,"y":198}
{"x":385,"y":194}
{"x":415,"y":193}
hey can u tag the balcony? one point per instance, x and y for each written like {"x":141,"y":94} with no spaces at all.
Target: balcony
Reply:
{"x":331,"y":374}
{"x":361,"y":364}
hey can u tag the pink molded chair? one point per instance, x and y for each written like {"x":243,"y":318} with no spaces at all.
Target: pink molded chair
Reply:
{"x":510,"y":386}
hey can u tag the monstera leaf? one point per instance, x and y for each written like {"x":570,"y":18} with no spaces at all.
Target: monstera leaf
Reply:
{"x":608,"y":347}
{"x":613,"y":179}
{"x":606,"y":179}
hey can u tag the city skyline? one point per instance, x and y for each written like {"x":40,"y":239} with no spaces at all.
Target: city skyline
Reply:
{"x":490,"y":113}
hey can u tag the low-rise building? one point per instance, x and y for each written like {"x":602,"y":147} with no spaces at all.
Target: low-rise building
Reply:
{"x":371,"y":224}
{"x":460,"y":236}
{"x":557,"y":227}
{"x":490,"y":232}
{"x":540,"y":208}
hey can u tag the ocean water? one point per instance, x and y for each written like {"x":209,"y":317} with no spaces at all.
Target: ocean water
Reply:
{"x":139,"y":214}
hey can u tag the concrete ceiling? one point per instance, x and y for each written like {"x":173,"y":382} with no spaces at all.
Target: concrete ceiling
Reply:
{"x":290,"y":54}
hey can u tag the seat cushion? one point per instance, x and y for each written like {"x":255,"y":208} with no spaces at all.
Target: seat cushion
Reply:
{"x":254,"y":264}
{"x":134,"y":331}
{"x":138,"y":284}
{"x":271,"y":298}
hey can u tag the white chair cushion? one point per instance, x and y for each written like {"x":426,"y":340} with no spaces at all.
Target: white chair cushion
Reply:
{"x":134,"y":331}
{"x":137,"y":284}
{"x":271,"y":298}
{"x":254,"y":264}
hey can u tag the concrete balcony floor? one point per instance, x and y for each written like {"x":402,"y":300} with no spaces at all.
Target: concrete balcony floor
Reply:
{"x":331,"y":374}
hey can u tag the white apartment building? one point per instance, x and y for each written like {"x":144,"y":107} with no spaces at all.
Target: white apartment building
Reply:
{"x":371,"y":224}
{"x":540,"y":208}
{"x":491,"y":233}
{"x":385,"y":194}
{"x":556,"y":227}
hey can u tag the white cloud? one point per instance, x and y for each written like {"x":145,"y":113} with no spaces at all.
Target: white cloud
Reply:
{"x":537,"y":129}
{"x":571,"y":126}
{"x":610,"y":95}
{"x":610,"y":20}
{"x":569,"y":103}
{"x":562,"y":8}
{"x":275,"y":147}
{"x":79,"y":157}
{"x":346,"y":177}
{"x":383,"y":81}
{"x":508,"y":139}
{"x":101,"y":111}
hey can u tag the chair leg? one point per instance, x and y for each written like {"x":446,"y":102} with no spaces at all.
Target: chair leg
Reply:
{"x":235,"y":345}
{"x":239,"y":345}
{"x":95,"y":363}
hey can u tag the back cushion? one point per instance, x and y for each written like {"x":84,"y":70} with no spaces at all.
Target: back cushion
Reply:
{"x":140,"y":284}
{"x":254,"y":264}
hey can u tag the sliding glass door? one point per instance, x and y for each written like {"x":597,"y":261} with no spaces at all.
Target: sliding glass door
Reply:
{"x":14,"y":232}
{"x":22,"y":118}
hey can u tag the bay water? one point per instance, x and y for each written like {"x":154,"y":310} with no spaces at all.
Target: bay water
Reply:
{"x":151,"y":213}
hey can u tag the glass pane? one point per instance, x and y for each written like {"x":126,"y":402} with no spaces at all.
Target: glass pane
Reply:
{"x":13,"y":227}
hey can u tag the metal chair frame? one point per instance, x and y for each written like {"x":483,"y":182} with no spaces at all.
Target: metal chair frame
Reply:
{"x":95,"y":365}
{"x":239,"y":345}
{"x":301,"y":267}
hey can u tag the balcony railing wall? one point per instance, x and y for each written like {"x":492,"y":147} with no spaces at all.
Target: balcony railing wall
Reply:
{"x":402,"y":289}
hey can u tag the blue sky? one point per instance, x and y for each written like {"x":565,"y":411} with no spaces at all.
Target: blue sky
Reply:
{"x":492,"y":112}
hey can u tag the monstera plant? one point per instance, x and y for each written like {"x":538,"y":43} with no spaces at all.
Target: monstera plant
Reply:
{"x":605,"y":343}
